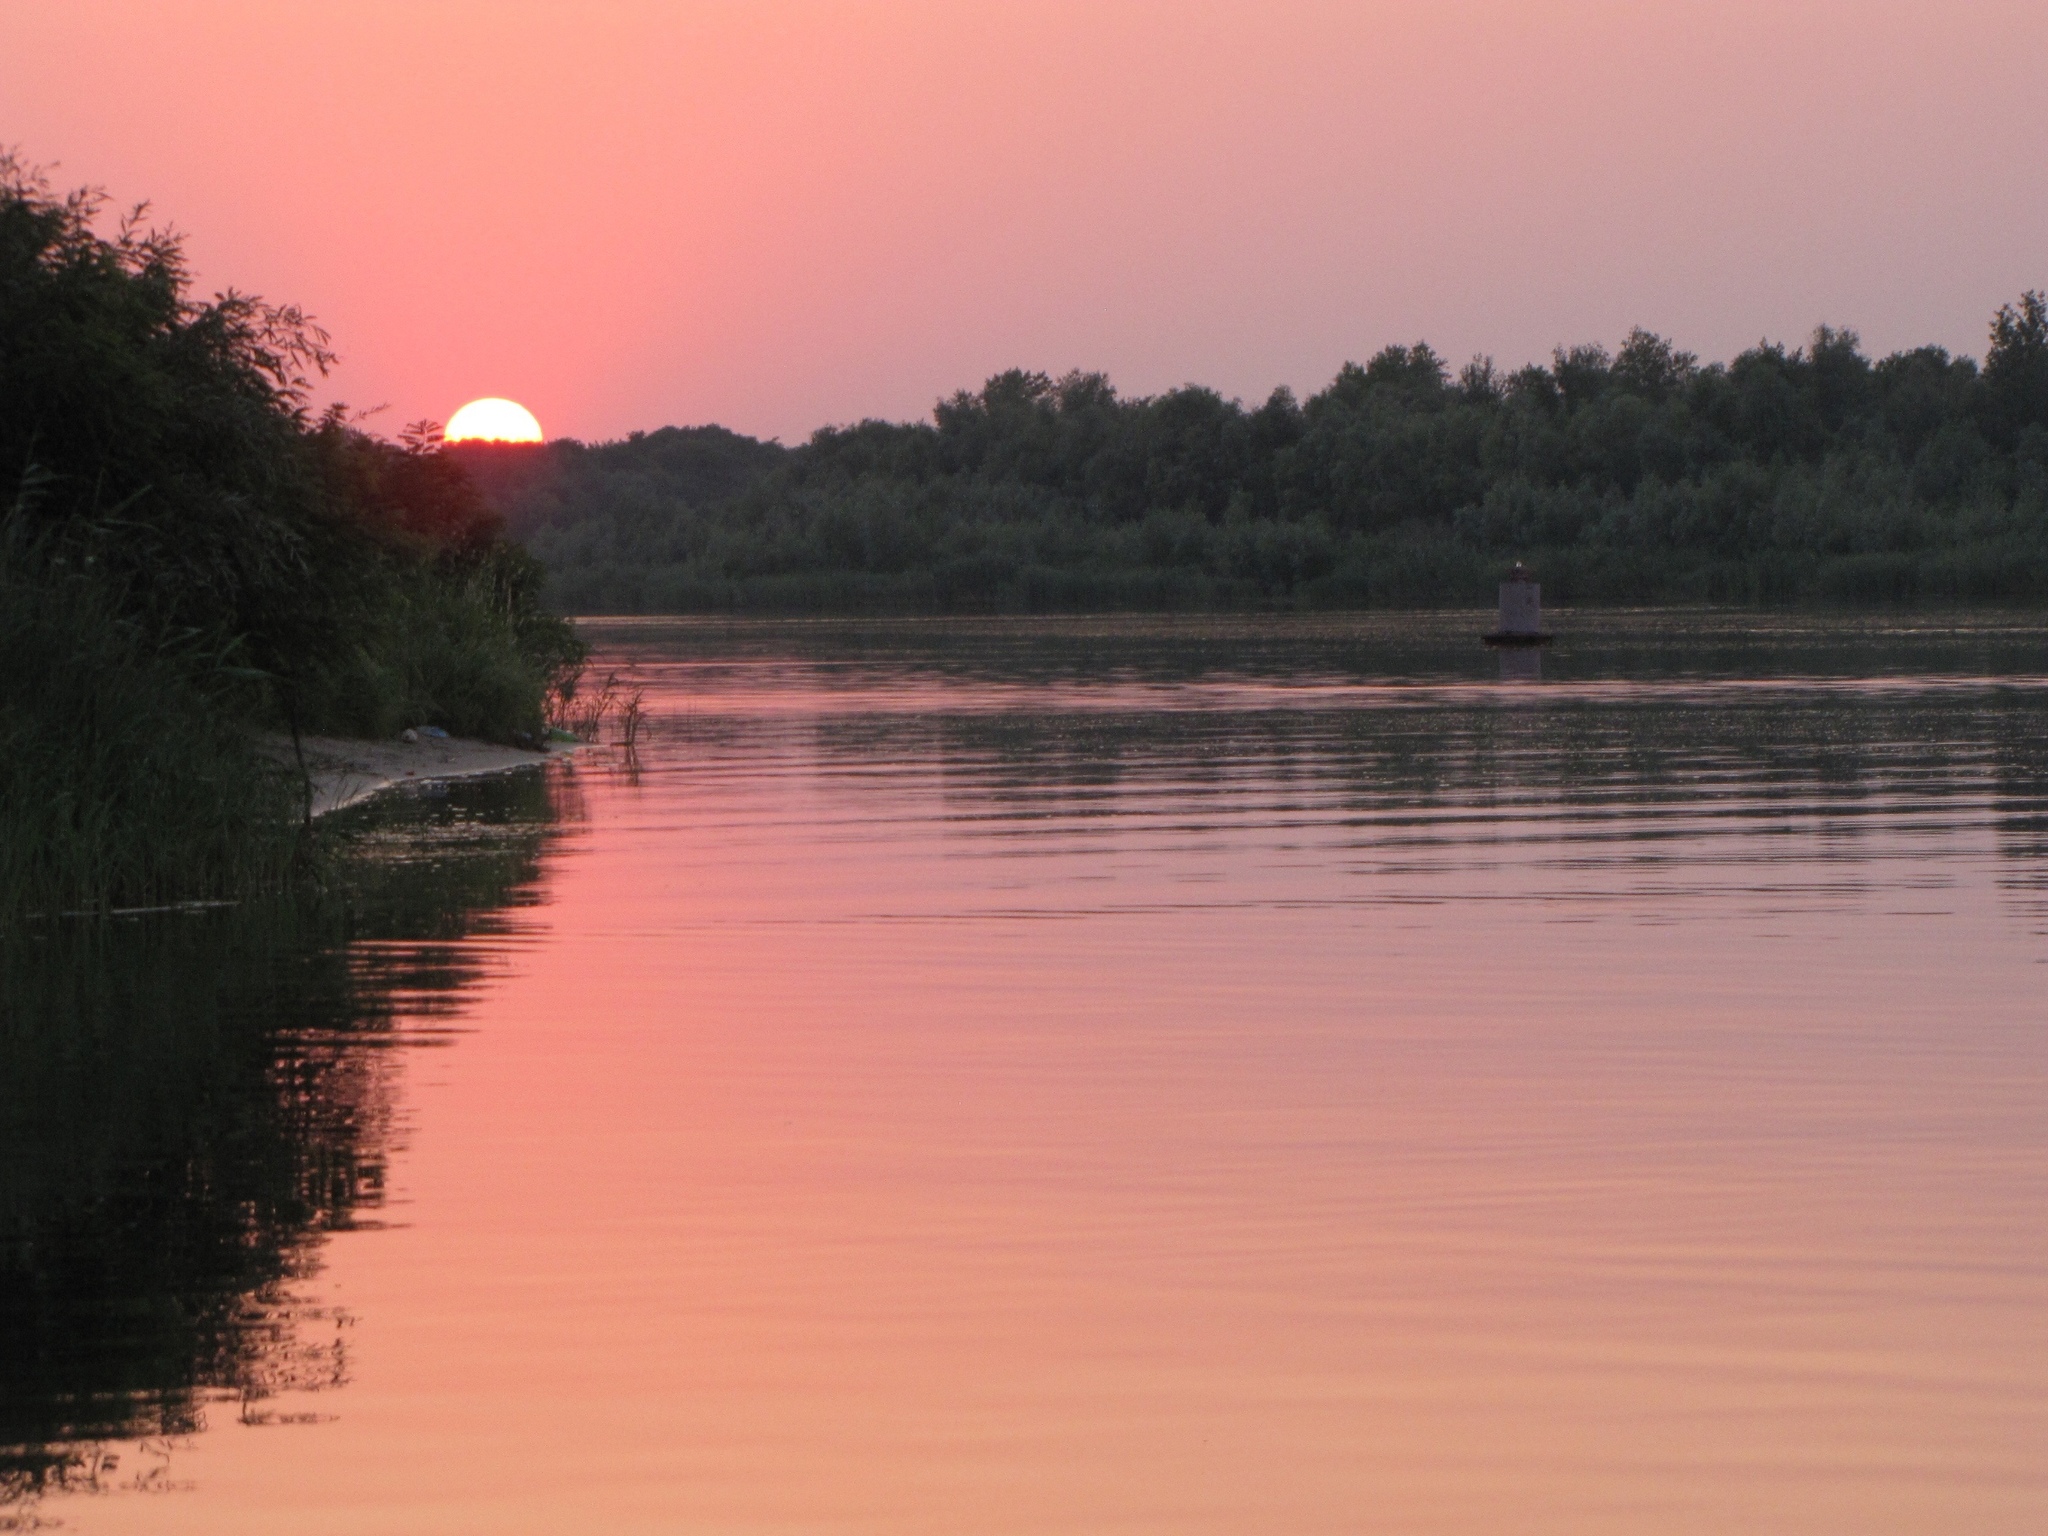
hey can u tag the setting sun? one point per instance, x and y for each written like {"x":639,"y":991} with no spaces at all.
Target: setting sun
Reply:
{"x":493,"y":420}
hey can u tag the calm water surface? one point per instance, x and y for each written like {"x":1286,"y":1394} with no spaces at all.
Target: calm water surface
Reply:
{"x":1137,"y":1076}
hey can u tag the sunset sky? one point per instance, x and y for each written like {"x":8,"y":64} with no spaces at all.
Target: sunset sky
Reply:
{"x":776,"y":216}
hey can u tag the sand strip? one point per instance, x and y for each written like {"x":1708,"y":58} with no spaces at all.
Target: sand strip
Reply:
{"x":346,"y":772}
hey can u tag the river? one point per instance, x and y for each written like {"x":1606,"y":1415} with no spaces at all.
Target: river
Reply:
{"x":1143,"y":1075}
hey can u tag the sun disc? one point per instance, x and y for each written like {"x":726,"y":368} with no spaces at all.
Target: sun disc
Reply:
{"x":492,"y":420}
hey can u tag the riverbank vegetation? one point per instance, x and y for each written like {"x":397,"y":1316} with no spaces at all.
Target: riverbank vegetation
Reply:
{"x":1790,"y":474}
{"x":190,"y":558}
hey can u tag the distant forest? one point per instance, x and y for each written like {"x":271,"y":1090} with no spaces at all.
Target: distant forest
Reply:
{"x":1807,"y":474}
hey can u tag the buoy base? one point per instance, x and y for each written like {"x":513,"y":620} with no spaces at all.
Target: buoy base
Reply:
{"x":1516,"y":638}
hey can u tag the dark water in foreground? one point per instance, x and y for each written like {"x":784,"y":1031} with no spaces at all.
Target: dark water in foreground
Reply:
{"x":1153,"y":1076}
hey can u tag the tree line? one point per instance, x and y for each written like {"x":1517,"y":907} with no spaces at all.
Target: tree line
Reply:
{"x":1642,"y":475}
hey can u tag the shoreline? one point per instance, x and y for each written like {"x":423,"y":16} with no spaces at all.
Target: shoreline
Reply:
{"x":347,"y":771}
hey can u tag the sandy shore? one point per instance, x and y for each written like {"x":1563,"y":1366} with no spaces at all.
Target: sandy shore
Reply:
{"x":346,"y":772}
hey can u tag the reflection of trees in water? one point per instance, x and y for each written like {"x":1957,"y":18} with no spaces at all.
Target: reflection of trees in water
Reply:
{"x":1648,"y":728}
{"x":2022,"y":758}
{"x":1100,"y":712}
{"x":1160,"y":649}
{"x":1713,"y":762}
{"x":189,"y":1104}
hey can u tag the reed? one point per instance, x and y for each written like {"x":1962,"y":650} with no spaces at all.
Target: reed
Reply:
{"x":631,"y":714}
{"x":125,"y":781}
{"x":583,"y":710}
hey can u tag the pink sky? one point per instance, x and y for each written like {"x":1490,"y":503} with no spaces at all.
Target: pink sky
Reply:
{"x":629,"y":214}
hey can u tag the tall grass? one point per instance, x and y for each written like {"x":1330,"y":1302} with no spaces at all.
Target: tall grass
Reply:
{"x":124,"y":781}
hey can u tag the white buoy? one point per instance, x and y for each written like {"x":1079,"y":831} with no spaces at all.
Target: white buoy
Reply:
{"x":1521,"y":611}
